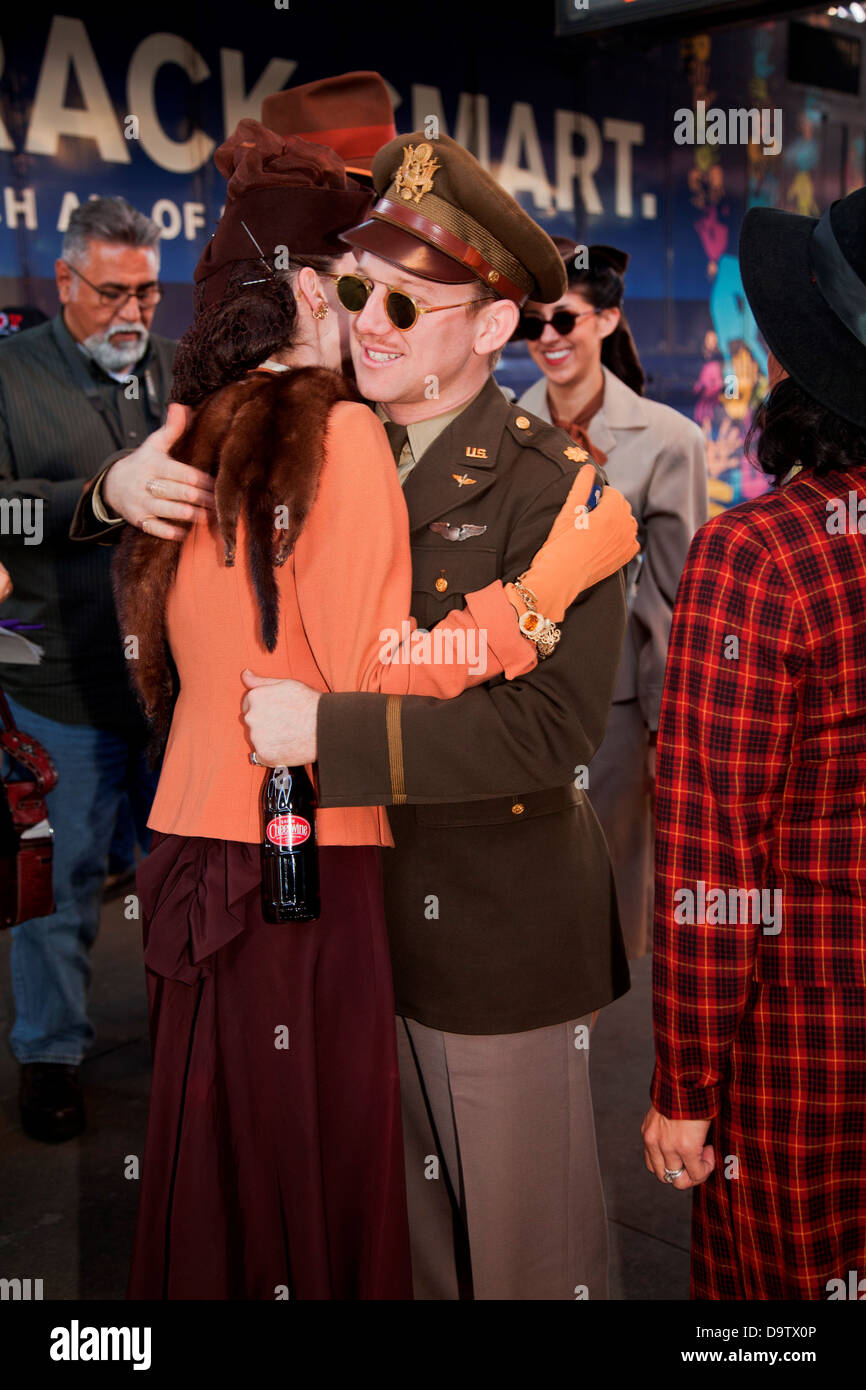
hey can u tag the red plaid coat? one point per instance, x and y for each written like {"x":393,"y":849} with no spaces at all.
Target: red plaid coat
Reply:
{"x":760,"y":1020}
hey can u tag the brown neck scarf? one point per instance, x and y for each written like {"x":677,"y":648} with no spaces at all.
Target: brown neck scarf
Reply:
{"x":577,"y":427}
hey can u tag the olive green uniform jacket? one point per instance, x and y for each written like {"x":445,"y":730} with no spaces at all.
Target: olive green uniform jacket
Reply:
{"x":499,"y":894}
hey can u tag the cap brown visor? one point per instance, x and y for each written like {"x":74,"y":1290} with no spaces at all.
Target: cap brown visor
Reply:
{"x":407,"y":252}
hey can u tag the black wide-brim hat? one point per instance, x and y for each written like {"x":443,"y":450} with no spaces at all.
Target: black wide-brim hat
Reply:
{"x":805,"y":280}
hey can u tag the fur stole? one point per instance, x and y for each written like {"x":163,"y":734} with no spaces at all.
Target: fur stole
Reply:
{"x":262,"y":439}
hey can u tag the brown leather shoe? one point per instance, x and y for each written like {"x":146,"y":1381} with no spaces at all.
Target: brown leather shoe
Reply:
{"x":51,"y":1101}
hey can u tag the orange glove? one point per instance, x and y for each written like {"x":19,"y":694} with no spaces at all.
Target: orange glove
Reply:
{"x":581,"y":549}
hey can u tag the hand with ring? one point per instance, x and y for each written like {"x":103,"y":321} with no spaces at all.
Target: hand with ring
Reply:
{"x":155,"y":492}
{"x":676,"y":1151}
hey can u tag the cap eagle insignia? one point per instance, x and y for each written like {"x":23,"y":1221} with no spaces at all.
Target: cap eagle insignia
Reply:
{"x":414,"y":178}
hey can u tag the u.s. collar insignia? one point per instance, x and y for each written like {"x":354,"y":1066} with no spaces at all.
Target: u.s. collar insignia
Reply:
{"x":414,"y":178}
{"x":461,"y":479}
{"x":576,"y":454}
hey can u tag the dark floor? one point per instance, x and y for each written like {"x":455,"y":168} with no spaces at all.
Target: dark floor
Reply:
{"x":67,"y":1212}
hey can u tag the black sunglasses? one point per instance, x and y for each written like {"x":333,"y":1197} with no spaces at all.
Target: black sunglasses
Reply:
{"x":533,"y":325}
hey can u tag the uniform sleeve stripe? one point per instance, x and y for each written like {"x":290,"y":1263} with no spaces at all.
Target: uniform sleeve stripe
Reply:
{"x":395,"y":748}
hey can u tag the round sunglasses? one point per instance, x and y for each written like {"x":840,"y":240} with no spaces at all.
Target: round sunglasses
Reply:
{"x":563,"y":321}
{"x":402,"y":310}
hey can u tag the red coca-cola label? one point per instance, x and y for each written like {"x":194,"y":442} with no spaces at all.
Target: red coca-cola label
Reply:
{"x":288,"y":831}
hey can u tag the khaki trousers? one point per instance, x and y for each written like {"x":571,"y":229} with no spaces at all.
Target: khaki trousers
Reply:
{"x":504,"y":1189}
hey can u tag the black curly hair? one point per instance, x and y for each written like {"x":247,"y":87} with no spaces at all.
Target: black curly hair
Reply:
{"x":257,"y":318}
{"x":790,"y":427}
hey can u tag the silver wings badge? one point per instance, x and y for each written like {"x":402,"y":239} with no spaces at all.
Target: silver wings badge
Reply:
{"x":456,"y":533}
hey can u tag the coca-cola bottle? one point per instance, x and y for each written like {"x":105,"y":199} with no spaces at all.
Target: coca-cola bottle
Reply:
{"x":290,"y":858}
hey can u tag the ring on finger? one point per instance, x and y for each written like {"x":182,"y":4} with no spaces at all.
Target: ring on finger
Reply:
{"x":155,"y":487}
{"x":671,"y":1174}
{"x":145,"y":519}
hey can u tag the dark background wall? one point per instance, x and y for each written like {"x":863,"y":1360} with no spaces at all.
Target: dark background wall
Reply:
{"x":582,"y":132}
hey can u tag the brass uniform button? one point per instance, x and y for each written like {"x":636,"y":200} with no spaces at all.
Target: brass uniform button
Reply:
{"x":441,"y":585}
{"x":518,"y":808}
{"x":522,"y":423}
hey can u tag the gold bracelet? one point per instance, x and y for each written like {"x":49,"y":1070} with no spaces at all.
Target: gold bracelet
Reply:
{"x":534,"y":625}
{"x":526,"y":594}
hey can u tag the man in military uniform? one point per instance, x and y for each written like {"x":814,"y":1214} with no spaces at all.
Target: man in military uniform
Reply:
{"x":499,"y":896}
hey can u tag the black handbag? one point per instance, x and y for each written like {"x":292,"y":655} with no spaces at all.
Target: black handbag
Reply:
{"x":26,"y":837}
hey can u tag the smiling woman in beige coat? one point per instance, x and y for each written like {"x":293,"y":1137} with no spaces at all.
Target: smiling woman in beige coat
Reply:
{"x":655,"y":456}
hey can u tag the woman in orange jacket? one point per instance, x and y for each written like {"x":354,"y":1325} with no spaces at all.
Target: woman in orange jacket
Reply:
{"x":273,"y":1164}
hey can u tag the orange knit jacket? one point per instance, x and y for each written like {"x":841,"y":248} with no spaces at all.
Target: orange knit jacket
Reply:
{"x":345,"y":587}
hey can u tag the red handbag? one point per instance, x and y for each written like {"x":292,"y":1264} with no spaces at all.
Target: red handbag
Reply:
{"x":26,"y":837}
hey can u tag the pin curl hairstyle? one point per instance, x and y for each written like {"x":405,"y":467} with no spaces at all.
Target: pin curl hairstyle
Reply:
{"x":602,"y":285}
{"x":257,"y":317}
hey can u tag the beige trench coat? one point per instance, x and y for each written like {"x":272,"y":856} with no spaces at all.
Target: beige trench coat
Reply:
{"x":656,"y":457}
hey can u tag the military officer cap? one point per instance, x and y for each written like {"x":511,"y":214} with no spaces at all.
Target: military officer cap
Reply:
{"x":442,"y":216}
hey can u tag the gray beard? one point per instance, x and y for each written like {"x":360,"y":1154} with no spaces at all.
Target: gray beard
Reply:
{"x":111,"y":358}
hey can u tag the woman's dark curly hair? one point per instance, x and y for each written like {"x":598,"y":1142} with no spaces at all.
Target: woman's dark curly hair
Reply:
{"x":603,"y":288}
{"x":228,"y":339}
{"x":791,"y":427}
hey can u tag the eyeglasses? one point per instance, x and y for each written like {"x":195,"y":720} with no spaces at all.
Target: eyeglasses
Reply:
{"x":402,"y":310}
{"x":563,"y":321}
{"x":120,"y":295}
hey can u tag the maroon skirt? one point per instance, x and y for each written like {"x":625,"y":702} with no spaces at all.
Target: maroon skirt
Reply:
{"x":273,"y":1164}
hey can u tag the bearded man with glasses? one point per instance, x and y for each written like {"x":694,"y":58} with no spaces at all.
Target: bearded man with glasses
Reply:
{"x":92,"y":380}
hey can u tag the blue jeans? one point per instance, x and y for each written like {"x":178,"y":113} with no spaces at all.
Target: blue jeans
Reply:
{"x":51,"y":955}
{"x":121,"y":852}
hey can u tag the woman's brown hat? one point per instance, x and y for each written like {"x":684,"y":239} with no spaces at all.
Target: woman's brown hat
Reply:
{"x":351,"y":113}
{"x":282,"y":192}
{"x":442,"y":216}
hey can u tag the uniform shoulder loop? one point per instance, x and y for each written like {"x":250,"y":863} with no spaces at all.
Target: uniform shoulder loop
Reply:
{"x":532,"y":433}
